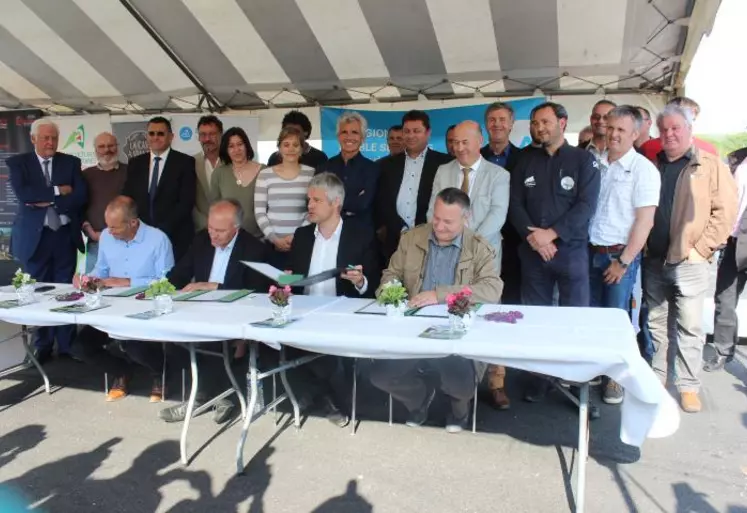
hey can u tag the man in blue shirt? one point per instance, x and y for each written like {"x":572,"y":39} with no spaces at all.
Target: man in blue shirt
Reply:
{"x":131,"y":254}
{"x":359,"y":175}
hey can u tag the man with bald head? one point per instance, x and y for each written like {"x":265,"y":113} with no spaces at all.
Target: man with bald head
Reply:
{"x":214,"y":262}
{"x":105,"y":182}
{"x":131,"y":254}
{"x":487,"y":186}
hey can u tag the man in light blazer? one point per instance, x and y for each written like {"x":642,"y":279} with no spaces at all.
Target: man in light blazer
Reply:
{"x":486,"y":184}
{"x":209,"y":131}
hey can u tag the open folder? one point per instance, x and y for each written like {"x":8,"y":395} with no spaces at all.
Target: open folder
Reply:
{"x":294,"y":280}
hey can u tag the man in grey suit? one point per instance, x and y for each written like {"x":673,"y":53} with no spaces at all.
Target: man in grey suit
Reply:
{"x":486,"y":184}
{"x":209,"y":131}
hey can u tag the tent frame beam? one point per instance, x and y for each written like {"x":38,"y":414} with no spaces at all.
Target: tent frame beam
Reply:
{"x":212,"y":102}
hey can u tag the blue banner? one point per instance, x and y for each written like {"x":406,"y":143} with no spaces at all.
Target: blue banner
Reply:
{"x":379,"y":121}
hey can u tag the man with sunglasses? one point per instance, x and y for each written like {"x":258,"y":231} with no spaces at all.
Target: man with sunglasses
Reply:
{"x":163,"y":184}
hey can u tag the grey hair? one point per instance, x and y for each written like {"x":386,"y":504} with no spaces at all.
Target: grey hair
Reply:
{"x":452,"y":195}
{"x":676,"y":110}
{"x":331,"y":185}
{"x":238,"y":216}
{"x":37,"y":124}
{"x":350,"y":117}
{"x":627,"y":111}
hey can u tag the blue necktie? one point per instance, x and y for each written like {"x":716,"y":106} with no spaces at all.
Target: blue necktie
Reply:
{"x":153,"y":184}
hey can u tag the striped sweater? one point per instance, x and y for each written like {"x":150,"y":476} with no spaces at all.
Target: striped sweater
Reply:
{"x":280,"y":205}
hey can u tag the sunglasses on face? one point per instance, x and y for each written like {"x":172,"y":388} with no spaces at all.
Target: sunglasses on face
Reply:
{"x":153,"y":133}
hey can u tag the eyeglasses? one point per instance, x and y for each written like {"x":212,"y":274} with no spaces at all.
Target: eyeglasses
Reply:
{"x":153,"y":133}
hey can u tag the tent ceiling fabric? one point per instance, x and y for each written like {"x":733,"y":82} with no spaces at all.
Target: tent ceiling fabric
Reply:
{"x":145,"y":55}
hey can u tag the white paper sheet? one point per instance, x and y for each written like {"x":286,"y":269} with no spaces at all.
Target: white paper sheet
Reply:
{"x":433,"y":311}
{"x":266,"y":269}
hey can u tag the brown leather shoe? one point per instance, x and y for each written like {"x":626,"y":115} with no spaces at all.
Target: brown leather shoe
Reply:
{"x":118,"y":390}
{"x":157,"y":391}
{"x":690,"y":402}
{"x":500,"y":399}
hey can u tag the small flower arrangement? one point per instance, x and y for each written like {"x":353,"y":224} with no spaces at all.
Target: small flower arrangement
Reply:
{"x":459,"y":303}
{"x":392,"y":293}
{"x":160,"y":287}
{"x":21,"y":279}
{"x":280,"y":296}
{"x":91,"y":284}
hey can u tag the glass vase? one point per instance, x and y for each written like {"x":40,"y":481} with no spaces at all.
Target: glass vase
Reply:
{"x":396,"y":310}
{"x":163,"y":304}
{"x":461,"y":323}
{"x":282,"y":314}
{"x":25,"y":294}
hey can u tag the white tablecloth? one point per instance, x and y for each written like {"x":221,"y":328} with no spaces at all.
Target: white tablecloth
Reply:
{"x":575,"y":344}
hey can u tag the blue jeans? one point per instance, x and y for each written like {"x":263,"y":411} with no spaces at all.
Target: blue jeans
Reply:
{"x":611,"y":296}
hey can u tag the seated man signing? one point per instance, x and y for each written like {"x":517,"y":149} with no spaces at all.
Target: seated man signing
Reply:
{"x":214,"y":262}
{"x":131,"y":254}
{"x":432,"y":261}
{"x":326,"y":244}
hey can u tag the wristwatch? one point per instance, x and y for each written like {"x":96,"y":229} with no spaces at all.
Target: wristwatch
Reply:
{"x":622,"y":264}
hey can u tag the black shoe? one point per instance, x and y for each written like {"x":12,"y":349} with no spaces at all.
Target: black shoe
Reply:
{"x":715,"y":364}
{"x":69,"y":357}
{"x":42,"y":356}
{"x":222,"y":411}
{"x":175,"y":413}
{"x":537,"y":390}
{"x":418,"y":417}
{"x":456,"y":425}
{"x":334,"y":415}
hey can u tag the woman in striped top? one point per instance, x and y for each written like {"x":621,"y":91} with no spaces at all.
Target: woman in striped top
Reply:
{"x":280,"y":196}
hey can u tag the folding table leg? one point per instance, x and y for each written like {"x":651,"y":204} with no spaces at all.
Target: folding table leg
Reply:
{"x":252,"y":402}
{"x":583,"y":446}
{"x":390,"y":409}
{"x":289,"y":391}
{"x":190,"y":404}
{"x":232,"y":377}
{"x":355,"y":394}
{"x":474,"y":411}
{"x":163,"y":373}
{"x":25,"y":335}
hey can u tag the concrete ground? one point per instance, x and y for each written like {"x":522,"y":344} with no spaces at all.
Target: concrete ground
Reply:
{"x":73,"y":452}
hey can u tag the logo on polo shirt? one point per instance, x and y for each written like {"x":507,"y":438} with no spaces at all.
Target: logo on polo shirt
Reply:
{"x":529,"y":182}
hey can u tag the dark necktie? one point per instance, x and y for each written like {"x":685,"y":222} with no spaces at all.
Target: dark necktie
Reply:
{"x":53,"y":218}
{"x":154,"y":183}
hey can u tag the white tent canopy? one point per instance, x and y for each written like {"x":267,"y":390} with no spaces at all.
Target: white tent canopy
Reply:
{"x":144,"y":56}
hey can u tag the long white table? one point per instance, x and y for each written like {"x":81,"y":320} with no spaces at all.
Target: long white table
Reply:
{"x":575,"y":344}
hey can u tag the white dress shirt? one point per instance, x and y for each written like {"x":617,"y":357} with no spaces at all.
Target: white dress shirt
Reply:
{"x":63,"y":218}
{"x":161,"y":165}
{"x":209,"y":168}
{"x":407,"y":198}
{"x":220,"y":262}
{"x":472,"y":175}
{"x":628,"y":183}
{"x":323,"y":258}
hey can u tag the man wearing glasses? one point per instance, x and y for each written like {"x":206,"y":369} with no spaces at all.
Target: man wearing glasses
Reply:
{"x":163,"y":182}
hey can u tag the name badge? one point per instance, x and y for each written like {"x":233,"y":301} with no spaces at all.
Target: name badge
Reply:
{"x":567,"y":183}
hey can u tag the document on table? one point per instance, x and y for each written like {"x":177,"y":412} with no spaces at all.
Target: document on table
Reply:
{"x":124,"y":291}
{"x":218,"y":295}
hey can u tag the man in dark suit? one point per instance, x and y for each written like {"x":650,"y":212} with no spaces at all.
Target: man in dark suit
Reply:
{"x":406,"y":182}
{"x":46,"y":233}
{"x":214,"y":262}
{"x":163,"y":184}
{"x":328,"y":243}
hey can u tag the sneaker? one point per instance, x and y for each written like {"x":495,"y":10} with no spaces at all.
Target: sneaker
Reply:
{"x":500,"y":399}
{"x":613,"y":393}
{"x":454,"y":425}
{"x":690,"y":402}
{"x":418,"y":417}
{"x":175,"y":413}
{"x":222,"y":411}
{"x":118,"y":390}
{"x":157,"y":391}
